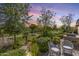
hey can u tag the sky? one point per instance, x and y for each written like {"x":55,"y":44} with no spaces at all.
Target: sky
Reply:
{"x":61,"y":9}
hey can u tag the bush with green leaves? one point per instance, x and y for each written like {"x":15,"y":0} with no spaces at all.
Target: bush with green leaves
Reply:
{"x":43,"y":44}
{"x":20,"y":41}
{"x":57,"y":35}
{"x":16,"y":52}
{"x":34,"y":49}
{"x":3,"y":50}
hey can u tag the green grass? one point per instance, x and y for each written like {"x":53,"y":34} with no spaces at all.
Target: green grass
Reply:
{"x":16,"y":52}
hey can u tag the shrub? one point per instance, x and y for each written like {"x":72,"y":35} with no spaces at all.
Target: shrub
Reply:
{"x":20,"y":41}
{"x":16,"y":52}
{"x":35,"y":49}
{"x":43,"y":44}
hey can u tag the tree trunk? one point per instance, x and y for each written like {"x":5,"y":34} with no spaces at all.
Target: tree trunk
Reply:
{"x":14,"y":38}
{"x":26,"y":37}
{"x":2,"y":36}
{"x":26,"y":40}
{"x":14,"y":45}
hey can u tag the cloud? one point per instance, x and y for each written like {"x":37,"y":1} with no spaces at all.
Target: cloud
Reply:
{"x":34,"y":14}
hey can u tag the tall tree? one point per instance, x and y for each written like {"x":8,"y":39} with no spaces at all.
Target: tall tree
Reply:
{"x":2,"y":20}
{"x":25,"y":17}
{"x":67,"y":20}
{"x":14,"y":12}
{"x":45,"y":18}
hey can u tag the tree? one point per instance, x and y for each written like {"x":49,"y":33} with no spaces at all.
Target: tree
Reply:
{"x":14,"y":25}
{"x":2,"y":32}
{"x":54,"y":24}
{"x":25,"y":14}
{"x":45,"y":18}
{"x":25,"y":17}
{"x":67,"y":20}
{"x":2,"y":20}
{"x":33,"y":28}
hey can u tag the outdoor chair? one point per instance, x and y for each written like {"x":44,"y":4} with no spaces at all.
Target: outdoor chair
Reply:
{"x":53,"y":49}
{"x":67,"y":48}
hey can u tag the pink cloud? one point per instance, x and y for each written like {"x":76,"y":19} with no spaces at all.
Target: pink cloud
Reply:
{"x":34,"y":14}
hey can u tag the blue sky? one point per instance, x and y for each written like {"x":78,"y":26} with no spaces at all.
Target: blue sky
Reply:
{"x":61,"y":9}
